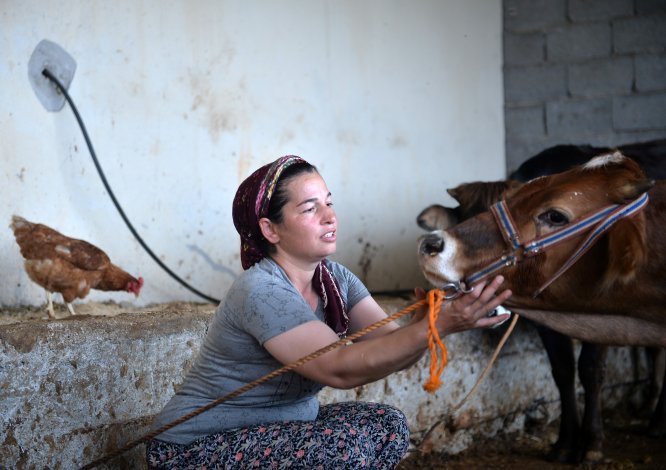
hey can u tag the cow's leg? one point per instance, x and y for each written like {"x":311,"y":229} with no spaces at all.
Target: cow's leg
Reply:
{"x":591,"y":370}
{"x":655,"y":367}
{"x":657,"y":427}
{"x":563,"y":367}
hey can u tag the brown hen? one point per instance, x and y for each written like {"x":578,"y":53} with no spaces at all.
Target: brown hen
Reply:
{"x":66,"y":265}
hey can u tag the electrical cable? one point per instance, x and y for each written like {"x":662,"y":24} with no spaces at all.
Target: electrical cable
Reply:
{"x":131,"y":228}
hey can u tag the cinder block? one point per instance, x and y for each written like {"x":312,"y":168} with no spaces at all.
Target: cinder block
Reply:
{"x":525,"y":123}
{"x":644,"y":112}
{"x":569,"y":118}
{"x":640,"y":34}
{"x":579,"y":42}
{"x":534,"y":84}
{"x":533,"y":15}
{"x":610,"y":59}
{"x":524,"y":49}
{"x":651,"y":72}
{"x":640,"y":136}
{"x":586,"y":10}
{"x":601,"y":77}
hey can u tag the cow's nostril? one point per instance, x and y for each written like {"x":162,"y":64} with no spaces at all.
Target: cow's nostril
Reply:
{"x":432,"y":244}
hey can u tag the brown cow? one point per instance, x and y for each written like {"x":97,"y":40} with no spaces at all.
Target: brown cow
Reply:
{"x":575,"y":442}
{"x":618,"y":267}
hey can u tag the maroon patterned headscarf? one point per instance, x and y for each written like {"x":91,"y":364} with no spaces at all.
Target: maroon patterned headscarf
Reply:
{"x":251,"y":203}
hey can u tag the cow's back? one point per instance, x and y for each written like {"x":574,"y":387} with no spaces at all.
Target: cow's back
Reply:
{"x":650,"y":155}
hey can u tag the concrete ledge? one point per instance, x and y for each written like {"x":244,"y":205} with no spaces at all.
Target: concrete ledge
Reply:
{"x":75,"y":389}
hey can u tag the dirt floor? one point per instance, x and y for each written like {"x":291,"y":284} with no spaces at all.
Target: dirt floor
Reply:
{"x":626,"y":447}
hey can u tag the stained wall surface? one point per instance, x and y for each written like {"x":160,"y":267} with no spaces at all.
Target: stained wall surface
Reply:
{"x":394,"y":101}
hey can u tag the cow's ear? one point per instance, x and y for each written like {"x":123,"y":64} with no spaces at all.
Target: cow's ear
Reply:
{"x":437,"y":217}
{"x":632,"y":189}
{"x":455,"y":192}
{"x":484,"y":193}
{"x":511,"y":187}
{"x":627,"y":250}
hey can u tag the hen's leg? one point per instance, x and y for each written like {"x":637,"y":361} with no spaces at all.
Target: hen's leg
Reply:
{"x":70,"y":308}
{"x":49,"y":305}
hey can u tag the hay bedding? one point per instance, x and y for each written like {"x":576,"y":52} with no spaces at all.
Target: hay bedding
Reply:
{"x":9,"y":315}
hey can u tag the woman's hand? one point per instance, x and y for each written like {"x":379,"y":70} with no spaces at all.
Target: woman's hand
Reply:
{"x":471,"y":310}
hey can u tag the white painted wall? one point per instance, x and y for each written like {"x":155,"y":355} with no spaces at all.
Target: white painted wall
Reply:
{"x":393,"y":100}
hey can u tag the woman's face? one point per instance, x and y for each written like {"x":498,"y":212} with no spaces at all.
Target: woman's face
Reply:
{"x":309,"y":225}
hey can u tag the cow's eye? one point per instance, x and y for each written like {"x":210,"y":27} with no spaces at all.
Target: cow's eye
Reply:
{"x":554,"y":218}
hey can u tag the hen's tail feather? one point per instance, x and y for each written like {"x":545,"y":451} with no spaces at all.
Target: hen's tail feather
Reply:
{"x":19,"y":223}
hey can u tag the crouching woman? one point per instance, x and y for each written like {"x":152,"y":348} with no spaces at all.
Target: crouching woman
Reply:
{"x":290,"y":301}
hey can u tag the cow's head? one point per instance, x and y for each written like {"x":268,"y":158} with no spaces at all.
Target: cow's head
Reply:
{"x":539,"y":207}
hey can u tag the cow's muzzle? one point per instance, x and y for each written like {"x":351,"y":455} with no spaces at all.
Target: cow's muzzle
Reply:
{"x":431,"y":244}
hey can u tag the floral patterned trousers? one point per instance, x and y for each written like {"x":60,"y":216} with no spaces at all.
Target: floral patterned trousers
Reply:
{"x":348,"y":435}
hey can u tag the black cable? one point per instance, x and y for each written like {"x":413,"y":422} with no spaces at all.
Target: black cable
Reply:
{"x":51,"y":77}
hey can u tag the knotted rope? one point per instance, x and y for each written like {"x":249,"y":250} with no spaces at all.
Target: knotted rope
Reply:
{"x":437,"y":362}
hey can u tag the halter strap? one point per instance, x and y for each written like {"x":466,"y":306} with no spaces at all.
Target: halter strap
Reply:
{"x":619,"y":212}
{"x":507,"y":226}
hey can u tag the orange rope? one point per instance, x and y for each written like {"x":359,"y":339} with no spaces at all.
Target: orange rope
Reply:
{"x":437,"y":362}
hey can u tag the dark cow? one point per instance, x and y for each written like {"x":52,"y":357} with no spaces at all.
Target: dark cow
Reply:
{"x":573,"y":442}
{"x":649,"y":155}
{"x":617,"y":282}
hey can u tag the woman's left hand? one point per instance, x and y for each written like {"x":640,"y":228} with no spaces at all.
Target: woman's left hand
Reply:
{"x":471,"y":310}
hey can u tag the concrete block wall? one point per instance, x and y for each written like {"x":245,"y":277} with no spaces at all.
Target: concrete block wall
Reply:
{"x":582,"y":72}
{"x":75,"y":389}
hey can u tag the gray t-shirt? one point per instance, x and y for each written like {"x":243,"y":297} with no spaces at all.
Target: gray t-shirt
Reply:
{"x":261,"y":304}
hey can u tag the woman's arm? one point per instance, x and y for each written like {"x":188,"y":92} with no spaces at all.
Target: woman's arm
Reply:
{"x":365,"y":313}
{"x":391,"y":349}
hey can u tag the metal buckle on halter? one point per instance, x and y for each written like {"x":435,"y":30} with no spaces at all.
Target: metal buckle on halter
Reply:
{"x":457,"y":288}
{"x":510,"y":259}
{"x":531,"y":249}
